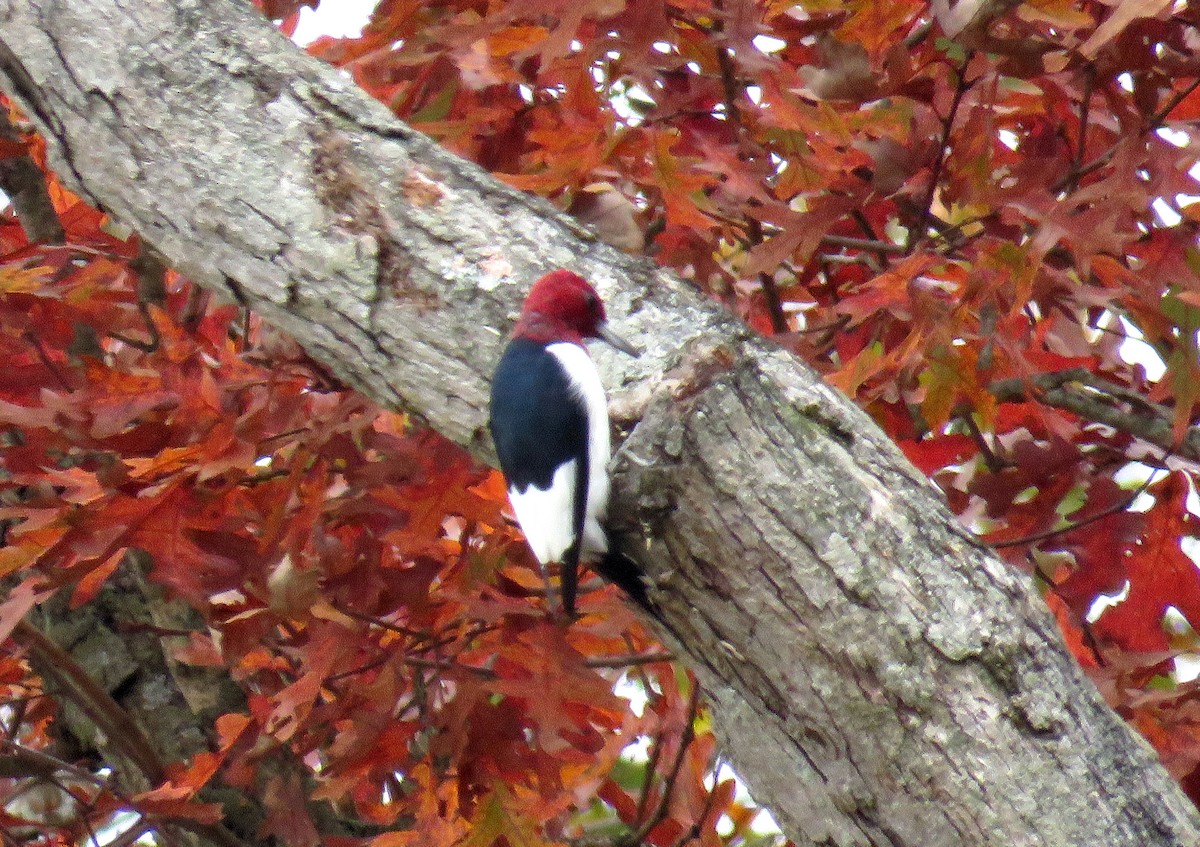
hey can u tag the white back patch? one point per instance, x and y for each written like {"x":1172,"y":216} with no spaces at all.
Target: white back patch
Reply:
{"x":585,"y":381}
{"x":546,"y":516}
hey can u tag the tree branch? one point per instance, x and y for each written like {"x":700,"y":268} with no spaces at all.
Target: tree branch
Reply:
{"x":1098,"y":400}
{"x":918,"y":232}
{"x":71,"y":682}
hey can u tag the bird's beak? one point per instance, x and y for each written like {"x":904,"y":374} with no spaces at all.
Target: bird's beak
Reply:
{"x":606,"y":334}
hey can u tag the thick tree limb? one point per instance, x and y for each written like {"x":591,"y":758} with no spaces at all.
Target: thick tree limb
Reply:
{"x":878,"y":679}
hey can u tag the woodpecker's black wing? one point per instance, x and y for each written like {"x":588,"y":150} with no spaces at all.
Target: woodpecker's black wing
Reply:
{"x":540,"y":427}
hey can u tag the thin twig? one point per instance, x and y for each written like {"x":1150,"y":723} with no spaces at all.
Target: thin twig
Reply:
{"x":43,"y":762}
{"x":630,"y":660}
{"x":883,"y":248}
{"x":731,"y":89}
{"x":1071,"y":180}
{"x":1089,"y":83}
{"x":379,"y":622}
{"x":151,"y":330}
{"x":693,"y":831}
{"x":47,"y":361}
{"x":54,"y":663}
{"x":660,"y":812}
{"x":1098,"y":400}
{"x":960,"y":89}
{"x":656,"y":749}
{"x":754,"y":237}
{"x":989,"y":456}
{"x":1159,"y":117}
{"x":1082,"y":522}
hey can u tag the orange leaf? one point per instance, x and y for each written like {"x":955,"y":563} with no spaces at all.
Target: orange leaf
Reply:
{"x":514,"y":38}
{"x":90,"y":584}
{"x":18,"y":603}
{"x":172,"y":802}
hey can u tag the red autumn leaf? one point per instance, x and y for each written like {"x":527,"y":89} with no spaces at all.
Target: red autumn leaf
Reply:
{"x":933,"y":454}
{"x":1161,"y":575}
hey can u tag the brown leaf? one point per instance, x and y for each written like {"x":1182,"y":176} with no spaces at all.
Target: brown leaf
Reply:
{"x":611,"y":215}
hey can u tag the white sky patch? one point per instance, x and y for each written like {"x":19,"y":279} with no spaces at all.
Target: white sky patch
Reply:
{"x":1187,"y":665}
{"x":1143,"y":503}
{"x":622,"y":101}
{"x":1008,"y":138}
{"x":1105,"y":601}
{"x":1135,"y":349}
{"x":338,"y":18}
{"x":764,"y":822}
{"x":1187,"y":668}
{"x":769,"y":43}
{"x":633,"y":692}
{"x":1133,"y":475}
{"x":1166,"y":215}
{"x":1173,"y":136}
{"x":639,"y":751}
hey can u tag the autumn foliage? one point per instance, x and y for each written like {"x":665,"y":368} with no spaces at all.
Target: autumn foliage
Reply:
{"x":974,"y":219}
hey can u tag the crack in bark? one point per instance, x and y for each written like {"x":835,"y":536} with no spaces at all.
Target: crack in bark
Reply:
{"x":236,"y":291}
{"x":26,"y":92}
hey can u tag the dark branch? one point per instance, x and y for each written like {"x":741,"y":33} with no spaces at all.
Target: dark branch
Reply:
{"x":917,"y":233}
{"x":22,"y":180}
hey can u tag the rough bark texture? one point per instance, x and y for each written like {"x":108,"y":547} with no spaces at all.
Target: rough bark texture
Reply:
{"x":877,"y":677}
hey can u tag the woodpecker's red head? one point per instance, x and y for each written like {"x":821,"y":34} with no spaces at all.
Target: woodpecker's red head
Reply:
{"x":563,"y":306}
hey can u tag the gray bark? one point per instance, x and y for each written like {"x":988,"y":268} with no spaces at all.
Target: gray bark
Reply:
{"x":877,"y":678}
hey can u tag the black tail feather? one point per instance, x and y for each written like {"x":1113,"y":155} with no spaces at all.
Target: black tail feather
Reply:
{"x":569,"y":571}
{"x":625,"y":573}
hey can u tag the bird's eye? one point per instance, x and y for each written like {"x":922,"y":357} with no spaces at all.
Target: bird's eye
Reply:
{"x":592,"y":301}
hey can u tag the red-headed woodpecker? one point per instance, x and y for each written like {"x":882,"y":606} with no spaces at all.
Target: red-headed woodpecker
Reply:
{"x":549,"y":419}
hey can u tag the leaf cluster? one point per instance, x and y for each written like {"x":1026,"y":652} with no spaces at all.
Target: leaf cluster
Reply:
{"x":357,"y":578}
